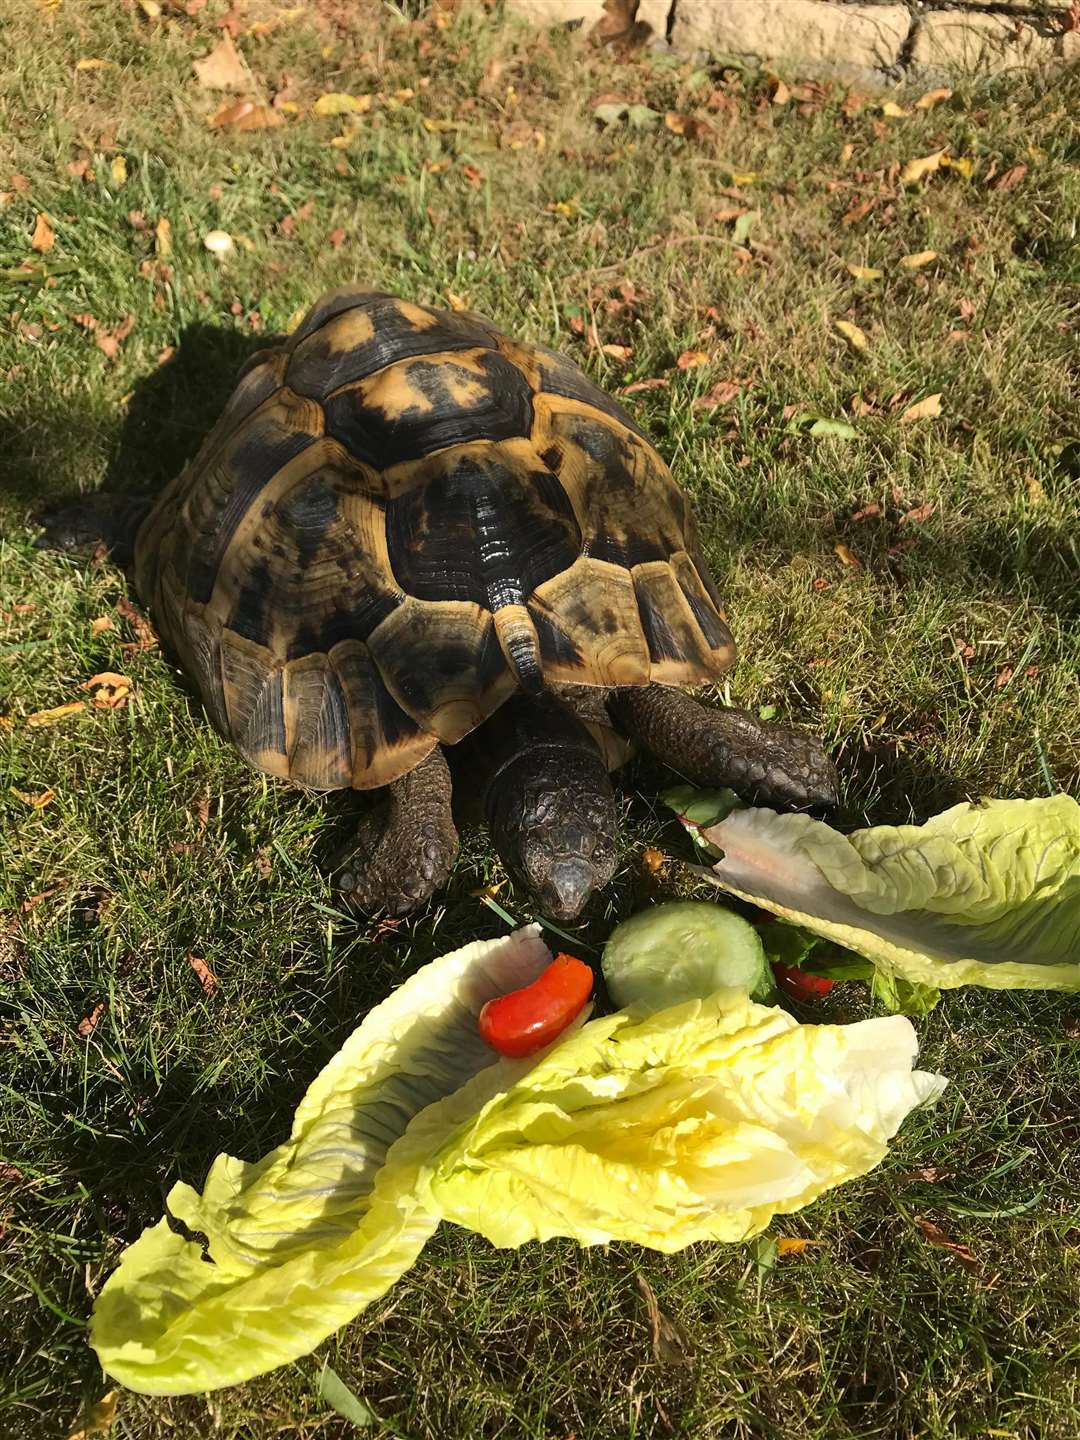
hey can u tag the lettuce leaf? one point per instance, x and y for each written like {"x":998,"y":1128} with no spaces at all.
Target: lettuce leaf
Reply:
{"x":982,"y":894}
{"x":300,"y":1241}
{"x":698,"y":1122}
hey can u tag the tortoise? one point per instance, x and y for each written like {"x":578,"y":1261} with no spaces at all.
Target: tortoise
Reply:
{"x":414,"y":552}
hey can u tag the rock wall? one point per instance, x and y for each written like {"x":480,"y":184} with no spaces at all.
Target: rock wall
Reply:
{"x":927,"y":39}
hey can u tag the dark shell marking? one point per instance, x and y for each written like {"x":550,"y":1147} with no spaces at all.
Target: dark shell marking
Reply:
{"x":401,"y":518}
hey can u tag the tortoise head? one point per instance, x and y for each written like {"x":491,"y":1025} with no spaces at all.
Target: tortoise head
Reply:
{"x":552,"y":819}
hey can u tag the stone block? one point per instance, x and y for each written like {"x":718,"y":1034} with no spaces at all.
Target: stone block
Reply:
{"x":979,"y":44}
{"x":545,"y":13}
{"x":810,"y":34}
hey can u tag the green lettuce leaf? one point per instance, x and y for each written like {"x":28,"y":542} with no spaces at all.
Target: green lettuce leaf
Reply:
{"x":300,"y":1241}
{"x":983,"y":894}
{"x":698,"y":1122}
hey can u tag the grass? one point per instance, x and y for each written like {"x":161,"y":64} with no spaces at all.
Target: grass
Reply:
{"x":942,"y":665}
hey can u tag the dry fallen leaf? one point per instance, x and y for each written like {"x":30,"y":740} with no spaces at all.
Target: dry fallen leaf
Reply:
{"x":855,"y":337}
{"x":960,"y":163}
{"x":794,"y":1245}
{"x":618,"y":352}
{"x":100,"y":624}
{"x":207,"y":978}
{"x":722,"y":393}
{"x":932,"y":98}
{"x":671,"y":1344}
{"x":145,"y":634}
{"x":936,"y":1236}
{"x":689,"y":359}
{"x":472,"y":175}
{"x":1011,"y":178}
{"x":336,"y":103}
{"x":44,"y":237}
{"x":846,"y":556}
{"x":118,"y":170}
{"x":858,"y":212}
{"x":223,"y":68}
{"x":893,"y":111}
{"x":658,"y":382}
{"x":89,"y":63}
{"x":36,"y":801}
{"x":865,"y":272}
{"x":927,"y":409}
{"x":917,"y":260}
{"x":916,"y":170}
{"x":58,"y":712}
{"x":163,"y":238}
{"x":245,"y":115}
{"x":653,"y":860}
{"x":781,"y":94}
{"x":86,"y":1027}
{"x":920,"y":513}
{"x":110,"y":690}
{"x":100,"y":1417}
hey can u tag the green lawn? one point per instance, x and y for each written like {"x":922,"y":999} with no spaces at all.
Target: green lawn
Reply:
{"x":941,"y":664}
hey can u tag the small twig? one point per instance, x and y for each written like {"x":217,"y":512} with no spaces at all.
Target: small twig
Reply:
{"x":648,"y":250}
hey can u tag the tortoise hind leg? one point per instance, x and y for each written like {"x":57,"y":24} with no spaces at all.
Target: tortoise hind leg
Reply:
{"x":767,"y":764}
{"x":101,"y":519}
{"x":404,"y":850}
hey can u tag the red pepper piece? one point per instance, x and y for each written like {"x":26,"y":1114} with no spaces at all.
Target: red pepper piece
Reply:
{"x":530,"y":1018}
{"x":796,"y":984}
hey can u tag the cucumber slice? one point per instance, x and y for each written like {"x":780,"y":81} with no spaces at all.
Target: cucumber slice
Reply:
{"x":684,"y":950}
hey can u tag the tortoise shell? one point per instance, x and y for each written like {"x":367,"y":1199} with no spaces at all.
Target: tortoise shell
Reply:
{"x":401,"y":518}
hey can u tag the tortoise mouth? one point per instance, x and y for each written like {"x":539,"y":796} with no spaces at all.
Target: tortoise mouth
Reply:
{"x":568,"y":887}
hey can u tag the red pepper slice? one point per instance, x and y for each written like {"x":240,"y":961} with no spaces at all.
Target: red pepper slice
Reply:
{"x":796,"y":984}
{"x":528,"y":1019}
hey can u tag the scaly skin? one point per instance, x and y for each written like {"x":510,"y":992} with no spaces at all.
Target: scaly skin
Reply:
{"x":101,"y":519}
{"x":766,"y":764}
{"x":404,"y":850}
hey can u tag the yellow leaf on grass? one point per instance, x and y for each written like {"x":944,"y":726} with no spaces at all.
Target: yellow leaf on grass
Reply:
{"x":618,"y":352}
{"x":338,"y":104}
{"x":102,"y":1414}
{"x":894,"y":111}
{"x":44,"y":237}
{"x":457,"y":302}
{"x":918,"y":259}
{"x":865,"y":272}
{"x":163,"y":238}
{"x":743,"y":177}
{"x":916,"y":170}
{"x":88,"y":63}
{"x":855,"y":337}
{"x":245,"y":115}
{"x":101,"y":624}
{"x":927,"y":409}
{"x":932,"y":98}
{"x":58,"y":712}
{"x":781,"y":95}
{"x":689,"y":359}
{"x":960,"y":163}
{"x":847,"y":556}
{"x":440,"y":127}
{"x":110,"y":690}
{"x":794,"y":1245}
{"x":118,"y":170}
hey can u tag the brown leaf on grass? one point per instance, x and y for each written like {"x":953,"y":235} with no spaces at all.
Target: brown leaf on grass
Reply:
{"x":868,"y":511}
{"x":207,"y":978}
{"x":932,"y":98}
{"x":653,"y":860}
{"x":107,"y":341}
{"x":794,"y":1245}
{"x":100,"y":624}
{"x":245,"y":115}
{"x":100,"y":1417}
{"x":858,"y":212}
{"x":658,"y":382}
{"x":33,"y":901}
{"x":918,"y":259}
{"x":263,"y":863}
{"x":618,"y":352}
{"x":224,"y":68}
{"x":936,"y":1236}
{"x":928,"y":409}
{"x":919,"y":514}
{"x":1011,"y":178}
{"x":781,"y":94}
{"x":36,"y":800}
{"x":111,"y":691}
{"x":687,"y":126}
{"x":1004,"y":675}
{"x":847,"y":556}
{"x":44,"y":237}
{"x":145,"y":634}
{"x":336,"y":238}
{"x":930,"y":1174}
{"x":733,"y":212}
{"x":42,"y":718}
{"x":689,"y":359}
{"x":722,"y":393}
{"x":671,"y":1345}
{"x":472,"y":175}
{"x":88,"y":1024}
{"x":200,"y":809}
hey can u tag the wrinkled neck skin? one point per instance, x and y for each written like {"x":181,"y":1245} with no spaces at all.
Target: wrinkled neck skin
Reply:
{"x":548,"y":802}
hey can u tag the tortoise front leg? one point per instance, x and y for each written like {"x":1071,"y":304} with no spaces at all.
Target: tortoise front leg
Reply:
{"x":767,"y":764}
{"x":405,"y":849}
